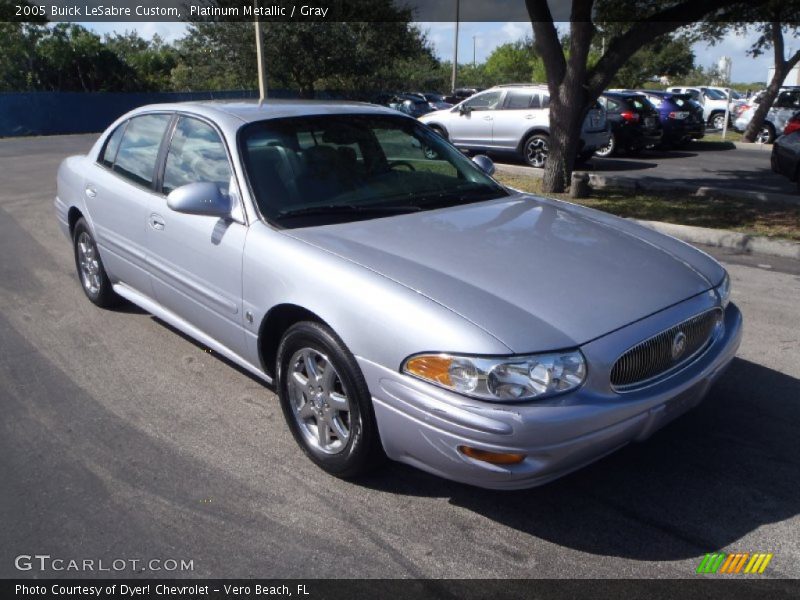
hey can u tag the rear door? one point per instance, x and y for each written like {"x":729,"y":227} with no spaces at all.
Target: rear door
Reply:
{"x":119,"y":195}
{"x":786,"y":104}
{"x":196,"y":260}
{"x":472,"y":127}
{"x":521,"y":110}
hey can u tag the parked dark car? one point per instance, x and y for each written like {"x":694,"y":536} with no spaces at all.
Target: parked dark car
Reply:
{"x":409,"y":103}
{"x":437,"y":101}
{"x":634,"y":121}
{"x":785,"y":157}
{"x":461,"y":94}
{"x":681,"y":117}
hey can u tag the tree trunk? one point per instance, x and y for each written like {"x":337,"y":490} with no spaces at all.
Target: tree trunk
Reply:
{"x":757,"y":122}
{"x":566,"y":118}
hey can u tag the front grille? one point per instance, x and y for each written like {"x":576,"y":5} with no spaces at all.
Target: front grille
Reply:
{"x":653,"y":357}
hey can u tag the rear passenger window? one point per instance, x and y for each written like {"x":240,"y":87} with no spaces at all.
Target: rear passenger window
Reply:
{"x":112,"y":145}
{"x":545,"y":100}
{"x":516,"y":100}
{"x":196,"y":153}
{"x":138,"y":150}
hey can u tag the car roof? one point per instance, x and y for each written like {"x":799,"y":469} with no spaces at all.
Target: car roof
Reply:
{"x":236,"y":112}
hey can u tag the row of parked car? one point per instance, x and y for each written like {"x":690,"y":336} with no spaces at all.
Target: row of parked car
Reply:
{"x":515,"y":118}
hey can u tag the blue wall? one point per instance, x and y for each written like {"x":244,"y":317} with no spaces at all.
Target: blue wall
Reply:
{"x":47,"y":113}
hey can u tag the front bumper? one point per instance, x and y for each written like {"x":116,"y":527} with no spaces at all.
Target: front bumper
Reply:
{"x":423,"y":425}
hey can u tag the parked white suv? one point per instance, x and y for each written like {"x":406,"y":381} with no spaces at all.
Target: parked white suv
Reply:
{"x":513,"y":118}
{"x":713,"y":101}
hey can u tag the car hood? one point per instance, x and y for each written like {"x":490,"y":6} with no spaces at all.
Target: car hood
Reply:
{"x":536,"y":274}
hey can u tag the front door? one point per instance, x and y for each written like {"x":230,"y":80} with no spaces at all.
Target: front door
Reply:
{"x":471,"y":125}
{"x":196,"y":260}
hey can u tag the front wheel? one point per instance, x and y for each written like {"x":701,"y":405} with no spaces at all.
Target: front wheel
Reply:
{"x":536,"y":149}
{"x":94,"y":280}
{"x":326,"y":402}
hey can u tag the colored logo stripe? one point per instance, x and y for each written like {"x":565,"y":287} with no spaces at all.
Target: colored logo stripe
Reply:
{"x":719,"y":562}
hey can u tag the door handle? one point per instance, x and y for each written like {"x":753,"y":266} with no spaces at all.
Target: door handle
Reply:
{"x":157,"y":222}
{"x":90,"y":191}
{"x":487,"y":118}
{"x":529,"y":116}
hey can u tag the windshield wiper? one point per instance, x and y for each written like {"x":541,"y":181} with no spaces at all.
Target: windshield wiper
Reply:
{"x":331,"y":209}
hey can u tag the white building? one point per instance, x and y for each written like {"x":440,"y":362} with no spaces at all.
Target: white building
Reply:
{"x":793,"y":78}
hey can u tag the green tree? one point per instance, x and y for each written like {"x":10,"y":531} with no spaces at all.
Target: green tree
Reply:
{"x":670,"y":56}
{"x":576,"y":79}
{"x":511,"y":63}
{"x":151,"y":60}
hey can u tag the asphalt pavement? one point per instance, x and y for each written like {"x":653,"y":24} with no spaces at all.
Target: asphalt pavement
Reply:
{"x":701,"y":164}
{"x":122,"y":439}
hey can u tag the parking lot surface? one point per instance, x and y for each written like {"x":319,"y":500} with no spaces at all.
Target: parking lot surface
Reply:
{"x":120,"y":438}
{"x":704,"y":164}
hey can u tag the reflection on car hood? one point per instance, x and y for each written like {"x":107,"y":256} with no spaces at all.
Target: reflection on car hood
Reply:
{"x":535,"y":273}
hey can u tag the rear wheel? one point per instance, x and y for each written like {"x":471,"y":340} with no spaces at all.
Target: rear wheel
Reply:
{"x":92,"y":274}
{"x":535,"y":150}
{"x":717,"y":121}
{"x":766,"y":135}
{"x":326,"y":402}
{"x":609,"y":149}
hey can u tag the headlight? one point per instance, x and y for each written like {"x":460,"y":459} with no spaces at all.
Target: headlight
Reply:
{"x":724,"y":290}
{"x":501,"y":378}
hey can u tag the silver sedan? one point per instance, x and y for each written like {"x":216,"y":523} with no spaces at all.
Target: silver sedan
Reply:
{"x":401,"y":301}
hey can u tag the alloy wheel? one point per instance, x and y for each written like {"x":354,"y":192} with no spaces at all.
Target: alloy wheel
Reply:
{"x":536,"y":151}
{"x":89,"y":264}
{"x":319,"y":401}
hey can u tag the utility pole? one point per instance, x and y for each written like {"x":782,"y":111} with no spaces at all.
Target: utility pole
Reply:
{"x":474,"y":63}
{"x":262,"y":65}
{"x":455,"y":51}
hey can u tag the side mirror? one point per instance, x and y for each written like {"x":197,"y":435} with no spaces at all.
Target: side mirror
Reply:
{"x":464,"y":110}
{"x":200,"y":198}
{"x":485,"y":163}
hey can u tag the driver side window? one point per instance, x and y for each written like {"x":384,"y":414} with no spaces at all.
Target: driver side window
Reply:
{"x":485,"y":101}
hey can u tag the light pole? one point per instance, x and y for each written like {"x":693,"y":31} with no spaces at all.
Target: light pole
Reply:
{"x":262,"y":64}
{"x":474,"y":62}
{"x":455,"y":52}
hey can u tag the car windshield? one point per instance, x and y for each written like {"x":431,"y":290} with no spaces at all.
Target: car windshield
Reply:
{"x":715,"y":94}
{"x":333,"y":168}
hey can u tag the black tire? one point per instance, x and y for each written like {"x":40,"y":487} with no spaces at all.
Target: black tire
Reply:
{"x":363,"y":451}
{"x":439,"y":130}
{"x":609,"y":149}
{"x":717,"y":120}
{"x":535,"y":150}
{"x":584,"y":157}
{"x":767,"y":134}
{"x":96,"y":285}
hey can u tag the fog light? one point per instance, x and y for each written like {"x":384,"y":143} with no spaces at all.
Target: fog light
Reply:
{"x":495,"y":458}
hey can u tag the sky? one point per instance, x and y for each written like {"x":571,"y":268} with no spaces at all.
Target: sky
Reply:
{"x":485,"y":37}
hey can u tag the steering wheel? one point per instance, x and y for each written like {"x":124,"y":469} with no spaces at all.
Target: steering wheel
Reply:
{"x":401,"y":163}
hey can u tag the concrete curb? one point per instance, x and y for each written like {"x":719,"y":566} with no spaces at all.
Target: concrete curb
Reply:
{"x":599,"y":181}
{"x":723,"y":238}
{"x":753,"y":146}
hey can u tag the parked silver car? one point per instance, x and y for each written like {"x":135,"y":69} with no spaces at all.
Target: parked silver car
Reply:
{"x":516,"y":119}
{"x":401,"y":301}
{"x":786,"y":104}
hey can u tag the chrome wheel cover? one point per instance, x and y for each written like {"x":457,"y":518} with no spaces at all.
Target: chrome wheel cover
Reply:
{"x":536,"y":151}
{"x":763,"y":135}
{"x":88,"y":263}
{"x":718,"y":121}
{"x":319,"y":401}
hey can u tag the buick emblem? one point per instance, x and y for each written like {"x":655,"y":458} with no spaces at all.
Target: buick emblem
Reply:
{"x":678,"y":345}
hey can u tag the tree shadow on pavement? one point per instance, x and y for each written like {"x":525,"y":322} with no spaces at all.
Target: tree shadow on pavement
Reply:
{"x":716,"y":474}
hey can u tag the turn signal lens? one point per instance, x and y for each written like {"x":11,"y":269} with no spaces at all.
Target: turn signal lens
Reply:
{"x":495,"y":458}
{"x":431,"y":367}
